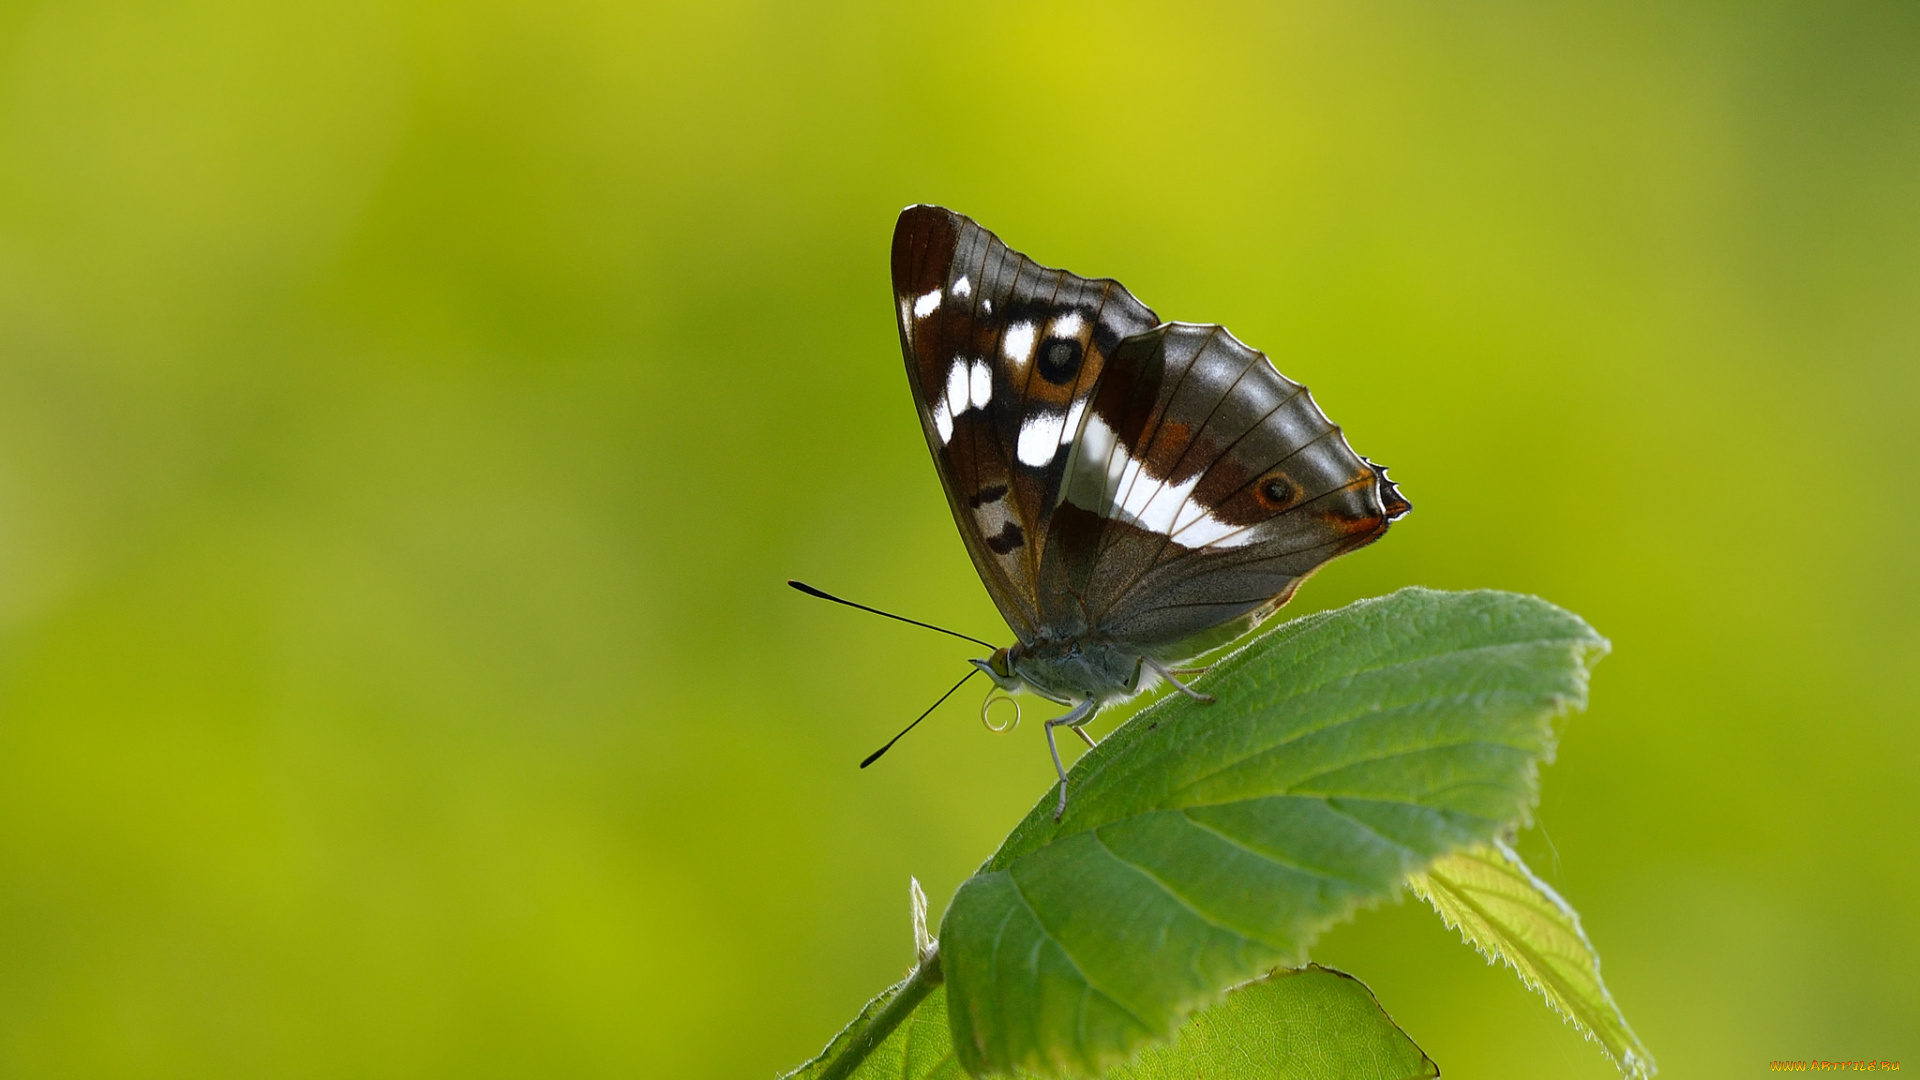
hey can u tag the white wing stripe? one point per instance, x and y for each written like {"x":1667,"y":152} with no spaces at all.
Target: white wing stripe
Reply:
{"x":1140,"y":499}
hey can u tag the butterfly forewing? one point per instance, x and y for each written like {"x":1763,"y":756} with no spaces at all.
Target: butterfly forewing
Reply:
{"x":1002,"y":355}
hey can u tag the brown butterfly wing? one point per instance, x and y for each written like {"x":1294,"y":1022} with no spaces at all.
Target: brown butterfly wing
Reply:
{"x":1003,"y":355}
{"x":1158,"y":485}
{"x":1204,"y":487}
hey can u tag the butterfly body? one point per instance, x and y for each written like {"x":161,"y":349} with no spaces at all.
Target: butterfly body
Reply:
{"x":1068,"y":671}
{"x":1134,"y":493}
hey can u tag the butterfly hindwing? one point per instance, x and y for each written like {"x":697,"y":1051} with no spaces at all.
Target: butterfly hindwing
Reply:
{"x":1205,"y":487}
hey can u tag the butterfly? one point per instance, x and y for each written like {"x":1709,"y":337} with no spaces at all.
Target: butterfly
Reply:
{"x":1134,"y":493}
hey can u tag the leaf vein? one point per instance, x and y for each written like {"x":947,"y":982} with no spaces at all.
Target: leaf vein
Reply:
{"x":1293,"y":787}
{"x":1388,"y":840}
{"x":1274,"y":859}
{"x":1122,"y":767}
{"x":1409,"y":661}
{"x":1047,"y":934}
{"x":1178,"y":897}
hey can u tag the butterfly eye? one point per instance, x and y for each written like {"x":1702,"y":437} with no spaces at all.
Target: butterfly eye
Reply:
{"x":1001,"y":663}
{"x":1276,"y":492}
{"x":1060,"y":360}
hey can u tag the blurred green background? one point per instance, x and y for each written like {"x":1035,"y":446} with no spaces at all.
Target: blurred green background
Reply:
{"x":409,"y":412}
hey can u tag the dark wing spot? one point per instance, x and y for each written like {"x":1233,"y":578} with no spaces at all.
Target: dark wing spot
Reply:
{"x":1010,"y":538}
{"x":1060,"y":360}
{"x":1276,"y":491}
{"x":992,"y":493}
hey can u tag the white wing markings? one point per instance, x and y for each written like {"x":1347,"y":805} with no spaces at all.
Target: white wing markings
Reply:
{"x":958,"y":391}
{"x":1148,"y":502}
{"x":969,"y":386}
{"x":942,"y":421}
{"x":1017,"y":346}
{"x":1040,"y":437}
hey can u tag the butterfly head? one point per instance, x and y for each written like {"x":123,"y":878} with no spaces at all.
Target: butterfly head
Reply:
{"x":999,"y":668}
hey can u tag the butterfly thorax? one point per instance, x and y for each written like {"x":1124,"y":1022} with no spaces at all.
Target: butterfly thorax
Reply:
{"x":1069,"y":670}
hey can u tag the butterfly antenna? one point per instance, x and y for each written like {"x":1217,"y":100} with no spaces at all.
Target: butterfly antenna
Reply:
{"x":811,"y":591}
{"x":875,"y":756}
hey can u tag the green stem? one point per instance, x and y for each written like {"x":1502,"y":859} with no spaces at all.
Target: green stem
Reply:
{"x":907,"y":997}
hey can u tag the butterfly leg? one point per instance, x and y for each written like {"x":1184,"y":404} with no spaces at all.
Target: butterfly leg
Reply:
{"x":1080,"y":714}
{"x":1167,"y":674}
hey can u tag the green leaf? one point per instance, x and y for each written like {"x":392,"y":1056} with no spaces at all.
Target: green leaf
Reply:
{"x":1314,"y":1023}
{"x":1508,"y":914}
{"x":1310,"y":1024}
{"x":1207,"y":843}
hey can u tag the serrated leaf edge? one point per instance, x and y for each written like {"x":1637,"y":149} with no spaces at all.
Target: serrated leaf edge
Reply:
{"x":1633,"y":1060}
